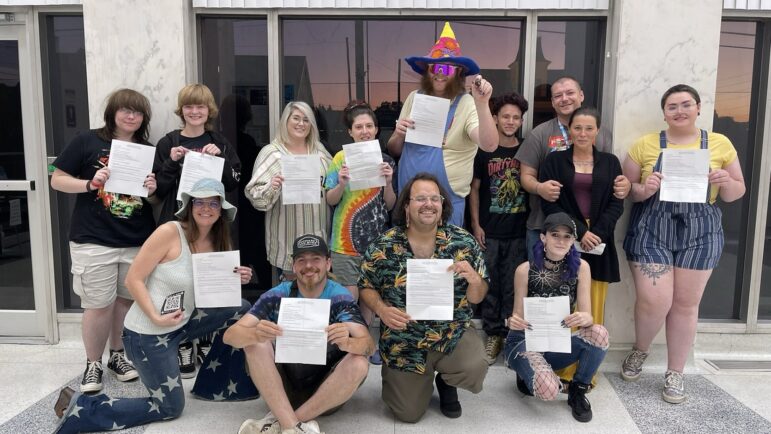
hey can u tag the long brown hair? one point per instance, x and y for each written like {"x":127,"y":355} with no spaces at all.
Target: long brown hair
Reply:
{"x":220,"y":231}
{"x":128,"y":99}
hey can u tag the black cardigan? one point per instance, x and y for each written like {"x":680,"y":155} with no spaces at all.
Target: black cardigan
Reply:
{"x":605,"y":209}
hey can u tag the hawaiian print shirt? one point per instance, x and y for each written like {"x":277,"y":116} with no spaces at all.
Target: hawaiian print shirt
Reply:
{"x":384,"y":269}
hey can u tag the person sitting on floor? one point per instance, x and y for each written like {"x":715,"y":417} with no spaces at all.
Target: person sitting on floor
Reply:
{"x":297,"y":393}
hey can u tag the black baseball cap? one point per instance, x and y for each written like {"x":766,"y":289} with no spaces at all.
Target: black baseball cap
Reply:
{"x":309,"y":243}
{"x":559,"y":219}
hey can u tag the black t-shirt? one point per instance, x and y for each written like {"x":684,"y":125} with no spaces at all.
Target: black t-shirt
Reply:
{"x":107,"y":219}
{"x":502,"y":200}
{"x":195,"y":143}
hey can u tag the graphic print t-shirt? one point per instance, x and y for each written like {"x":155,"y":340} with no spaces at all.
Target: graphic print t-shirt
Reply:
{"x":502,"y":200}
{"x":99,"y":217}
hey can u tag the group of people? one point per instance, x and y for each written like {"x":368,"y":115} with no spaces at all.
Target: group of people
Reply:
{"x":542,"y":210}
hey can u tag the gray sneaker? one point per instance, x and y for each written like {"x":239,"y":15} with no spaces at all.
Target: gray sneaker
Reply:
{"x":631,"y":367}
{"x":674,"y":389}
{"x":267,"y":425}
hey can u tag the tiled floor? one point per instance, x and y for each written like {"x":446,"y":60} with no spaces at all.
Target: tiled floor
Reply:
{"x":33,"y":374}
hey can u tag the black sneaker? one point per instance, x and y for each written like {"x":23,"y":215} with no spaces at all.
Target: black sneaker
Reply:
{"x":186,"y":362}
{"x":92,"y":377}
{"x":448,"y":398}
{"x":119,"y":364}
{"x":202,"y":350}
{"x":582,"y":410}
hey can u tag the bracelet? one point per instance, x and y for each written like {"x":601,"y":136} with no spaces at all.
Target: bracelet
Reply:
{"x":88,"y":186}
{"x":538,"y":184}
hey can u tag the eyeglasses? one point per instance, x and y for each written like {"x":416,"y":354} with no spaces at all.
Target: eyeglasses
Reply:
{"x":442,"y":68}
{"x":212,"y":204}
{"x":424,"y":199}
{"x":128,"y":112}
{"x":685,"y":106}
{"x":300,"y":120}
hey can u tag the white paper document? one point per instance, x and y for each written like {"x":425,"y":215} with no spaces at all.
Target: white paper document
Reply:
{"x":685,"y":175}
{"x":303,"y":322}
{"x":599,"y":249}
{"x":214,"y":282}
{"x":302,"y":179}
{"x":430,"y":289}
{"x":129,"y":164}
{"x":363,"y":160}
{"x":545,"y":315}
{"x":196,"y":167}
{"x":430,"y":116}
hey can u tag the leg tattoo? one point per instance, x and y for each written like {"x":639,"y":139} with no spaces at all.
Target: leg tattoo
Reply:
{"x":654,"y":271}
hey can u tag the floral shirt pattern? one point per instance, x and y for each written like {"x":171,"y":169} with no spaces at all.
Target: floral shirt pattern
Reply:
{"x":384,"y":269}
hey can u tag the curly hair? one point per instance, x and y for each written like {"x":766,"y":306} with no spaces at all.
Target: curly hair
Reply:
{"x":400,"y":210}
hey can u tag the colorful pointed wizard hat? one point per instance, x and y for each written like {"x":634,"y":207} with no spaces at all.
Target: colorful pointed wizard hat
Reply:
{"x":445,"y":50}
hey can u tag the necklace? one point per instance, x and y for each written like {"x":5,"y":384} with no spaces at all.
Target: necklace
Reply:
{"x":583,"y":163}
{"x":555,"y":265}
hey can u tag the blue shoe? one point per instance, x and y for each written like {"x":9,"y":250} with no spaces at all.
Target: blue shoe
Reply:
{"x":375,"y":358}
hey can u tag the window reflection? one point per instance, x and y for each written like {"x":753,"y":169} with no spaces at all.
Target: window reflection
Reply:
{"x":732,"y":117}
{"x":234,"y":64}
{"x":326,"y":63}
{"x":567,"y":48}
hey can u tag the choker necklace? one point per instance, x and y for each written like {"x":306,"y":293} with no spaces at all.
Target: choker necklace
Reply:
{"x":556,"y":265}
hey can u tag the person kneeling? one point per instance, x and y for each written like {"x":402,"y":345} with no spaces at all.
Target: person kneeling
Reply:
{"x":557,"y":270}
{"x":297,"y":393}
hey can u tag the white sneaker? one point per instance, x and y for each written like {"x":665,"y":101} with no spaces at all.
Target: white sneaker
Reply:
{"x":310,"y":427}
{"x":267,"y":425}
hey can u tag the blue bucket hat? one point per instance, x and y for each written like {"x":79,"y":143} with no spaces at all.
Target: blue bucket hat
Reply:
{"x":207,"y":187}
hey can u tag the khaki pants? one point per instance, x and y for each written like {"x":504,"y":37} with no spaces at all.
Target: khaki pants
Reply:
{"x":408,"y":393}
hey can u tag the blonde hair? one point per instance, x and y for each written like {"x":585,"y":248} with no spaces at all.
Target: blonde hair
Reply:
{"x":194,"y":94}
{"x":312,"y":140}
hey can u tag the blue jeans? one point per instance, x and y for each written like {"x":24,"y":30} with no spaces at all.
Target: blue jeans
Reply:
{"x":530,"y":364}
{"x":222,"y":376}
{"x":532,"y":237}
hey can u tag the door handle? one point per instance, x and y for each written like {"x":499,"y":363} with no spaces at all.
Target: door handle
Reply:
{"x":22,"y":185}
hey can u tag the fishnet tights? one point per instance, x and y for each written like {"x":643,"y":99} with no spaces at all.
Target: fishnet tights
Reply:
{"x":596,"y":336}
{"x":546,"y":384}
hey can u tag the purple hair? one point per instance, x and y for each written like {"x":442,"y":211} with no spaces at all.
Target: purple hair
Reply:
{"x":572,"y":259}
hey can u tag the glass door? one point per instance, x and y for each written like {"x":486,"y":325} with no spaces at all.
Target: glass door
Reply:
{"x":26,"y":312}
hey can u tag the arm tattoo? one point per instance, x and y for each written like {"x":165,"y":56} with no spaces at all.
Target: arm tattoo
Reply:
{"x":654,"y":271}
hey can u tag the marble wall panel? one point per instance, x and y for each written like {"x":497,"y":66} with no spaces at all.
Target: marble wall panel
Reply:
{"x":137,"y":44}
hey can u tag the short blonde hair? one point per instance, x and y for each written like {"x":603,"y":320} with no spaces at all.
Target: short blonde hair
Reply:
{"x":194,"y":94}
{"x":312,"y":140}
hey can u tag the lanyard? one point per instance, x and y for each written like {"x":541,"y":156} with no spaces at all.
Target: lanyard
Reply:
{"x":564,"y":132}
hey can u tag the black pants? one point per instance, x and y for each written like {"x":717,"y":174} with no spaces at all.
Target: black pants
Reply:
{"x":502,"y":257}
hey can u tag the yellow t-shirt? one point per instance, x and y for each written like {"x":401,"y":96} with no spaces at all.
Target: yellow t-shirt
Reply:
{"x":459,"y":150}
{"x":646,"y":149}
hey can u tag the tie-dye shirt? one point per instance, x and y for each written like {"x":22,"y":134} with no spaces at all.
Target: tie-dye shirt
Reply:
{"x":343,"y":306}
{"x":360,"y":216}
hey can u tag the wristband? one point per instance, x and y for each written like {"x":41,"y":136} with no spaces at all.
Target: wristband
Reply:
{"x":88,"y":186}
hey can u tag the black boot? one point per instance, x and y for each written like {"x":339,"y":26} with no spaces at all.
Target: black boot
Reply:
{"x":448,"y":399}
{"x":522,"y":387}
{"x":582,"y":410}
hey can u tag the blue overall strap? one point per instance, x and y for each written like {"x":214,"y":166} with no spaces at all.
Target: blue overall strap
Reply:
{"x":450,"y":116}
{"x":705,"y":145}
